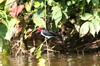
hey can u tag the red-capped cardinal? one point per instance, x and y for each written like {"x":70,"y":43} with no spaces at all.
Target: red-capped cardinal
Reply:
{"x":49,"y":34}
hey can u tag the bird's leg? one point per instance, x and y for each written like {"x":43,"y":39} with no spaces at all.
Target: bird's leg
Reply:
{"x":47,"y":51}
{"x":47,"y":44}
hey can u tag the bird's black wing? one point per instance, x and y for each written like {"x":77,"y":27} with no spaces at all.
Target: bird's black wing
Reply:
{"x":48,"y":33}
{"x":57,"y":36}
{"x":51,"y":33}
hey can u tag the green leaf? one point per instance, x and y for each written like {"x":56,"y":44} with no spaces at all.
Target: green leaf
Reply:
{"x":41,"y":12}
{"x":9,"y":3}
{"x":77,"y":27}
{"x":96,"y":23}
{"x":38,"y":54}
{"x":39,"y":16}
{"x":95,"y":13}
{"x":92,"y":29}
{"x":10,"y":28}
{"x":42,"y":4}
{"x":3,"y":15}
{"x":84,"y":29}
{"x":37,"y":4}
{"x":9,"y":22}
{"x":31,"y":3}
{"x":27,"y":6}
{"x":74,"y":1}
{"x":86,"y":16}
{"x":88,"y":1}
{"x":39,"y":22}
{"x":3,"y":30}
{"x":2,"y":5}
{"x":1,"y":44}
{"x":42,"y":61}
{"x":2,"y":1}
{"x":56,"y":14}
{"x":66,"y":16}
{"x":38,"y":51}
{"x":69,"y":3}
{"x":6,"y":47}
{"x":50,"y":2}
{"x":95,"y":2}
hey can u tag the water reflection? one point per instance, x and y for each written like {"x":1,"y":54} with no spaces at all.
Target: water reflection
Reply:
{"x":55,"y":60}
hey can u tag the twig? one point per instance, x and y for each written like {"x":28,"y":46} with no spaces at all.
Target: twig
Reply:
{"x":21,"y":43}
{"x":15,"y":45}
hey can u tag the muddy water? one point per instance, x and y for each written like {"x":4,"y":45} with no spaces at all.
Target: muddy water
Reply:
{"x":54,"y":60}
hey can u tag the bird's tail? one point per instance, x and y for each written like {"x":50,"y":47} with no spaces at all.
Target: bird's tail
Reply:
{"x":58,"y":37}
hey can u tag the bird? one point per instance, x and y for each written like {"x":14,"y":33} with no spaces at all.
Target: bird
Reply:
{"x":49,"y":34}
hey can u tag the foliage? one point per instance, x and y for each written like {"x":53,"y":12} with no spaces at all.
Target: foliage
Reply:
{"x":42,"y":62}
{"x":49,"y":14}
{"x":39,"y":13}
{"x":3,"y":30}
{"x":9,"y":23}
{"x":92,"y":23}
{"x":7,"y":26}
{"x":89,"y":22}
{"x":6,"y":48}
{"x":39,"y":49}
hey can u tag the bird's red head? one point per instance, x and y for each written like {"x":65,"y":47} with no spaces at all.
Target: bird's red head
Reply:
{"x":40,"y":29}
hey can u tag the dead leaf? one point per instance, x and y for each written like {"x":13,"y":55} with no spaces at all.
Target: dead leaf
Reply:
{"x":15,"y":10}
{"x":20,"y":8}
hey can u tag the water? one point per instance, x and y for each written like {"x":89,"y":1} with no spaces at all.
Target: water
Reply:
{"x":54,"y":60}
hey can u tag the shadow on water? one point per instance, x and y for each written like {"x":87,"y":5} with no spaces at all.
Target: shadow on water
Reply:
{"x":54,"y":60}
